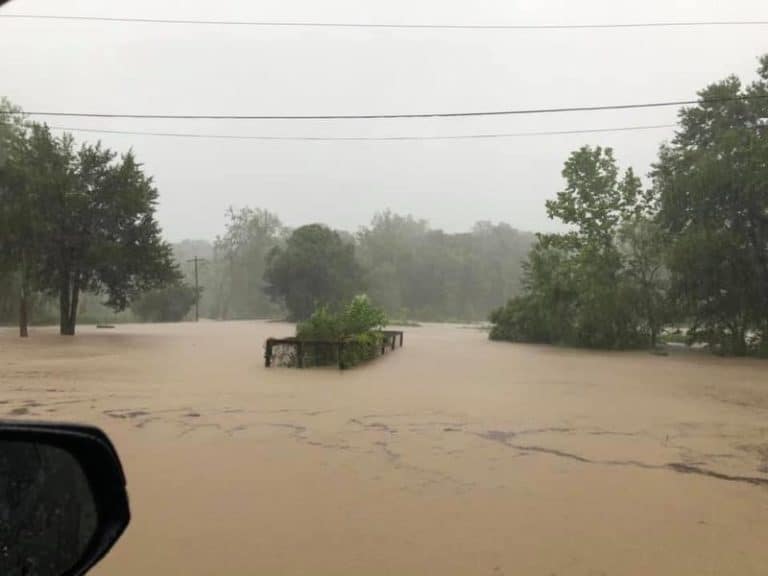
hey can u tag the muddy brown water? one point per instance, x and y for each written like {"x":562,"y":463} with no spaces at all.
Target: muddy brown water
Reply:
{"x":454,"y":455}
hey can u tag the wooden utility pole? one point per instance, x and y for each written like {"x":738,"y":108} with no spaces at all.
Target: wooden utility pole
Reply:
{"x":197,"y":287}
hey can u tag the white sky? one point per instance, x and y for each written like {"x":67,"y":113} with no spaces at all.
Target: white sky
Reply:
{"x":145,"y":68}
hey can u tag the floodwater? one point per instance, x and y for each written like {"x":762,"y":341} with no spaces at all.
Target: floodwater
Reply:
{"x":453,"y":455}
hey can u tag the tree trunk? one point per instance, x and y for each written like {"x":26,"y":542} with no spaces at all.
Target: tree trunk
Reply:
{"x":650,"y":316}
{"x":23,"y":315}
{"x":23,"y":301}
{"x":64,"y":304}
{"x":69,"y":309}
{"x":764,"y":340}
{"x":75,"y":304}
{"x":739,"y":342}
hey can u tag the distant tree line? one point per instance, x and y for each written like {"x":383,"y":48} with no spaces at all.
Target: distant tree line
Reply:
{"x":258,"y":268}
{"x":420,"y":273}
{"x":692,"y":249}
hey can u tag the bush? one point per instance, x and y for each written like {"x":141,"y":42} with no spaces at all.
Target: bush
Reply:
{"x":361,"y":348}
{"x":362,"y":316}
{"x":170,"y":304}
{"x":358,"y":317}
{"x":322,"y":325}
{"x":575,"y":298}
{"x":519,"y":321}
{"x":358,"y":327}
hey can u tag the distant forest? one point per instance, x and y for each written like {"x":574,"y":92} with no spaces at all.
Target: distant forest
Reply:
{"x":413,"y":271}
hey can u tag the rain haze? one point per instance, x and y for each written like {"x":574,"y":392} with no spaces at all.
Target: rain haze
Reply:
{"x":326,"y":320}
{"x":216,"y":69}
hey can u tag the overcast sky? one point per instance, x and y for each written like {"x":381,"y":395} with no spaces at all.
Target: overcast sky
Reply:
{"x":175,"y":69}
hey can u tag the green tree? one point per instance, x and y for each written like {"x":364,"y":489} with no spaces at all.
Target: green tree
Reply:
{"x":315,"y":267}
{"x":98,"y":227}
{"x":240,"y":260}
{"x":21,"y":174}
{"x":580,"y":288}
{"x":595,"y":200}
{"x":10,"y":136}
{"x":387,"y":250}
{"x":712,"y":182}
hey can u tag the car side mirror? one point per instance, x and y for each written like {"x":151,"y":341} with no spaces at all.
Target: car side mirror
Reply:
{"x":63,"y":502}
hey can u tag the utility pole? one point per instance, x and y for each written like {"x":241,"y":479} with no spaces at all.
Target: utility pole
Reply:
{"x":197,"y":287}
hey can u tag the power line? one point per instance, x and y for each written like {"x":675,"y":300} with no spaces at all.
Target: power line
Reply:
{"x":195,"y":135}
{"x":403,"y":26}
{"x":520,"y":112}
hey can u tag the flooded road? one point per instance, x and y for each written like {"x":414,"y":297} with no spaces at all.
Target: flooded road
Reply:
{"x":453,"y":455}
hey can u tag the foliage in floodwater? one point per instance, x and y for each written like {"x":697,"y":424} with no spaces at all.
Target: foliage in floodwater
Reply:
{"x":692,"y":249}
{"x":357,"y":328}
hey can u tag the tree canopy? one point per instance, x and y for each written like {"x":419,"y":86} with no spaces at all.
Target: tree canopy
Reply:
{"x":712,"y":181}
{"x":314,"y":267}
{"x":582,"y":287}
{"x":239,"y":261}
{"x":79,"y":219}
{"x":693,"y":248}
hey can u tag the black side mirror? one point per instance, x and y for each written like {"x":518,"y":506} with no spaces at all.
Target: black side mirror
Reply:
{"x":63,"y":502}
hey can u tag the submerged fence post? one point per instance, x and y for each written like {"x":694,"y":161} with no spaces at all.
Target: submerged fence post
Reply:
{"x":401,"y":339}
{"x":268,"y":353}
